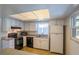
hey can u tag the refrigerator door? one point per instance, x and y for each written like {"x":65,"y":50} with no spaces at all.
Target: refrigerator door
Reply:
{"x":56,"y":43}
{"x":56,"y":29}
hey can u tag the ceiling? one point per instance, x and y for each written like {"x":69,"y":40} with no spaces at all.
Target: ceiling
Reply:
{"x":37,"y":15}
{"x":55,"y":10}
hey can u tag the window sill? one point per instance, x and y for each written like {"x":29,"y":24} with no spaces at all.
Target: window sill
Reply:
{"x":76,"y":40}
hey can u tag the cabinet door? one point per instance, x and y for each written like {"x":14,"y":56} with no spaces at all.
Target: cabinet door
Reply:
{"x":45,"y":44}
{"x":21,"y":25}
{"x":36,"y":43}
{"x":24,"y":41}
{"x":5,"y":44}
{"x":32,"y":27}
{"x":11,"y":43}
{"x":27,"y":26}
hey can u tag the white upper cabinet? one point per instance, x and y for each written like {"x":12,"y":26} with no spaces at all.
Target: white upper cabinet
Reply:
{"x":30,"y":26}
{"x":27,"y":26}
{"x":21,"y":24}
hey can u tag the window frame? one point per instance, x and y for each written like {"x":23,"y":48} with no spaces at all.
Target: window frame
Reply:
{"x":72,"y":27}
{"x":42,"y":23}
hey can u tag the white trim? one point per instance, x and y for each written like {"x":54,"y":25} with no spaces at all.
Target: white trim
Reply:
{"x":74,"y":14}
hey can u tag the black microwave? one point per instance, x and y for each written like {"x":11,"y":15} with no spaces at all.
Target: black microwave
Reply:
{"x":22,"y":33}
{"x":12,"y":35}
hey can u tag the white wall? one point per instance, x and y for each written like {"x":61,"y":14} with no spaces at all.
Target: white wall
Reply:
{"x":72,"y":47}
{"x":6,"y":25}
{"x":1,"y":34}
{"x":8,"y":22}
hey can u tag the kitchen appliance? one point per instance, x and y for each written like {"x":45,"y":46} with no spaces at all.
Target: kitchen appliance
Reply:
{"x":57,"y":39}
{"x":18,"y":40}
{"x":19,"y":43}
{"x":29,"y":42}
{"x":12,"y":35}
{"x":22,"y":33}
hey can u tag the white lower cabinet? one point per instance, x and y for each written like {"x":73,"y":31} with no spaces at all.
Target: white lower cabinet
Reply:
{"x":36,"y":42}
{"x":41,"y":43}
{"x":4,"y":44}
{"x":45,"y":44}
{"x":8,"y":43}
{"x":11,"y":44}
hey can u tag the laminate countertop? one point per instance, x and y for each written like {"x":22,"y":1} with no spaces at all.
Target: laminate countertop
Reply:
{"x":42,"y":36}
{"x":6,"y":38}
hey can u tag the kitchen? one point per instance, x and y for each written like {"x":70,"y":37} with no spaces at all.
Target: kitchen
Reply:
{"x":40,"y":27}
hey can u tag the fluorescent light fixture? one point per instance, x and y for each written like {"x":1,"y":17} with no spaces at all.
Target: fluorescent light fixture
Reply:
{"x":24,"y":16}
{"x":33,"y":15}
{"x":42,"y":14}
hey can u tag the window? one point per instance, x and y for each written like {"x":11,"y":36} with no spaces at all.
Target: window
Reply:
{"x":42,"y":28}
{"x":75,"y":27}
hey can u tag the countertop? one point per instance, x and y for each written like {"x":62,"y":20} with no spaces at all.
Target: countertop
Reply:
{"x":38,"y":36}
{"x":9,"y":51}
{"x":35,"y":36}
{"x":6,"y":38}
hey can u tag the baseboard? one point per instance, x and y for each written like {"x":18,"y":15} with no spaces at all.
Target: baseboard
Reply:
{"x":58,"y":53}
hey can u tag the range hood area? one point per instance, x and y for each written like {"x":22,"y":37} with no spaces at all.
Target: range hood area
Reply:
{"x":15,"y":27}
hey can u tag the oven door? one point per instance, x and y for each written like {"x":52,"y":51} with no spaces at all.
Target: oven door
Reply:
{"x":19,"y":43}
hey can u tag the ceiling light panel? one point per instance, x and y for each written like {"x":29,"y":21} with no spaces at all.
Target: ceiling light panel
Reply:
{"x":42,"y":14}
{"x":28,"y":15}
{"x":33,"y":15}
{"x":17,"y":16}
{"x":25,"y":16}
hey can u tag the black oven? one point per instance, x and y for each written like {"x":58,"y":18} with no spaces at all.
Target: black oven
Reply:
{"x":19,"y":43}
{"x":18,"y":40}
